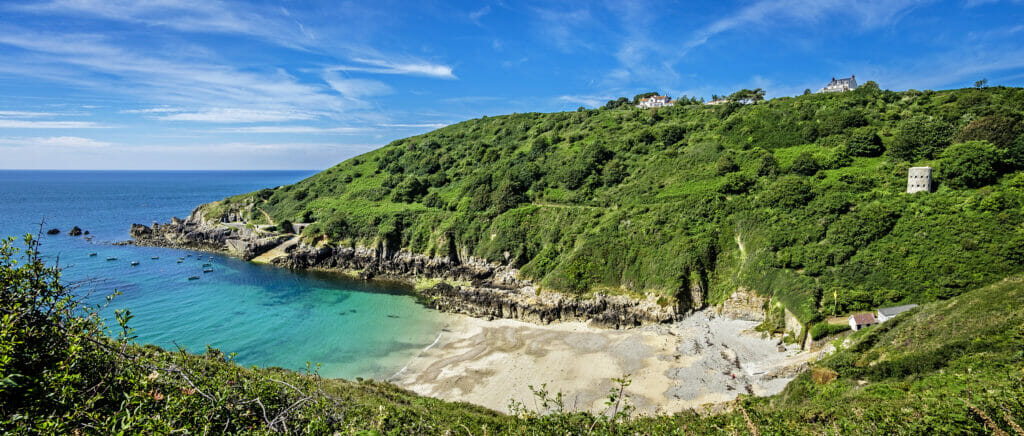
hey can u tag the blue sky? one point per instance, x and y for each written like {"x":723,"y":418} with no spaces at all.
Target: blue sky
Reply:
{"x":287,"y":84}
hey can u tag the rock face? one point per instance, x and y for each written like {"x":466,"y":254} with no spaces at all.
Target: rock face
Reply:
{"x":744,"y":304}
{"x":197,"y":234}
{"x":493,"y":290}
{"x":75,"y":231}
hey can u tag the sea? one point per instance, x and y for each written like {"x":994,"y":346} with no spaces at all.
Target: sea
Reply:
{"x":268,"y":316}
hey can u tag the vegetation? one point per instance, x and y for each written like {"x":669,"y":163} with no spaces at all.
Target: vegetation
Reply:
{"x":949,"y":367}
{"x":639,"y":201}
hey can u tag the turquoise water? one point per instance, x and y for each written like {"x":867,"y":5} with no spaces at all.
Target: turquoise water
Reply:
{"x":267,"y":315}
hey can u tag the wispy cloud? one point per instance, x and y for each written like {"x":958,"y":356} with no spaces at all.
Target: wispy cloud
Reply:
{"x":867,"y":13}
{"x":54,"y":141}
{"x":24,"y":114}
{"x":206,"y":16}
{"x":586,"y":100}
{"x":415,"y":125}
{"x":301,"y":129}
{"x":26,"y":124}
{"x":357,"y":88}
{"x":238,"y":115}
{"x":413,"y":68}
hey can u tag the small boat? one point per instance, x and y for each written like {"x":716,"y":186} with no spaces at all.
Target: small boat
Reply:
{"x":155,"y":257}
{"x":206,"y":270}
{"x":211,"y":257}
{"x":190,"y":255}
{"x":92,"y":254}
{"x":111,"y":258}
{"x":193,"y":278}
{"x":180,"y":261}
{"x":135,"y":263}
{"x":206,"y":265}
{"x":181,"y":258}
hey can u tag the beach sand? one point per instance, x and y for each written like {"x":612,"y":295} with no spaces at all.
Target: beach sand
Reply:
{"x":702,"y":359}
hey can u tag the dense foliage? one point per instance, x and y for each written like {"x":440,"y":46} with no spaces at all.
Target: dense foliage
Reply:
{"x":797,"y":198}
{"x":950,"y":367}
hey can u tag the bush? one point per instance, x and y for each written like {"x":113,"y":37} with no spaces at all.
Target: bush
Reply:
{"x":823,"y":329}
{"x":804,"y":164}
{"x":864,"y":142}
{"x":920,"y":137}
{"x":969,"y":164}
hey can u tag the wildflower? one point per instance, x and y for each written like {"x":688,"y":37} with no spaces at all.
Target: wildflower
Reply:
{"x":188,"y":391}
{"x":152,"y":376}
{"x":157,"y":396}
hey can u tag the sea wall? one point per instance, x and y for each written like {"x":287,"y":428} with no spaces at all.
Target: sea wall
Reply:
{"x":486,"y":290}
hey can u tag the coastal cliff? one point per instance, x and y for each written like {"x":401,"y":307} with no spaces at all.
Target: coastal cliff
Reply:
{"x":471,"y":286}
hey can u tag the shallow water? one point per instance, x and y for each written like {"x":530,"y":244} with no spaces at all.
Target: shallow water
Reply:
{"x":268,"y":316}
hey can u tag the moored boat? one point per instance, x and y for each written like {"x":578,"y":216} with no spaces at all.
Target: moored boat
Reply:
{"x":92,"y":254}
{"x":111,"y":258}
{"x":135,"y":263}
{"x":193,"y":278}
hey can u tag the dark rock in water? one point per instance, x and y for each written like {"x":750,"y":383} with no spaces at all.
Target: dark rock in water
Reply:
{"x":75,"y":231}
{"x":52,"y":232}
{"x":86,"y":232}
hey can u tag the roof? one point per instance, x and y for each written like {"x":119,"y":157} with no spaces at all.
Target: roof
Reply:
{"x":864,"y":318}
{"x":896,"y":310}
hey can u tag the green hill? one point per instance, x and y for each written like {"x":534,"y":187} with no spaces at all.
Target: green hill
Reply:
{"x":801,"y":199}
{"x":948,"y":367}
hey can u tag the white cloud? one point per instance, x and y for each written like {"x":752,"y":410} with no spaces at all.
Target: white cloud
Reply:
{"x":593,"y":101}
{"x":412,"y":68}
{"x":24,"y":124}
{"x":416,"y":126}
{"x":238,"y":115}
{"x":153,"y":110}
{"x":55,"y":141}
{"x":301,"y":129}
{"x":867,"y":13}
{"x":25,"y":114}
{"x":357,"y":88}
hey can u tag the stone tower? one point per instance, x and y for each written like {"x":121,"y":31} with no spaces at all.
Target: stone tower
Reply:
{"x":919,"y":179}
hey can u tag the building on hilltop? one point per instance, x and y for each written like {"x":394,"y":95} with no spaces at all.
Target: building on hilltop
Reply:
{"x":840,"y":85}
{"x":717,"y":102}
{"x":919,"y":179}
{"x":861,"y":320}
{"x":654,"y":101}
{"x":887,"y":313}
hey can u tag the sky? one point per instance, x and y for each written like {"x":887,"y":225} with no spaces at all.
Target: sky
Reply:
{"x":290,"y":84}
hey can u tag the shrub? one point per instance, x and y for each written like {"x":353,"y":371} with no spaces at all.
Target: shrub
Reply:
{"x":823,"y":329}
{"x":864,"y":142}
{"x":804,"y":164}
{"x":969,"y":164}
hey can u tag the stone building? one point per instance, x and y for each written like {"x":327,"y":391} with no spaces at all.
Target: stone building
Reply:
{"x":919,"y":179}
{"x":860,"y":320}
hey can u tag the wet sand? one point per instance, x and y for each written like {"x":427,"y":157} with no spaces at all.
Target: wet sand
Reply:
{"x":703,"y":359}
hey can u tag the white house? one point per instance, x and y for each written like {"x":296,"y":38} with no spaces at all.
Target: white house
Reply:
{"x":654,"y":101}
{"x":887,"y":313}
{"x":840,"y":85}
{"x":861,"y":320}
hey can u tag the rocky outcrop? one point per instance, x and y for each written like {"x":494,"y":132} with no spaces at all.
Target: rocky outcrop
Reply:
{"x":490,"y":290}
{"x":53,"y":231}
{"x":744,"y":304}
{"x":494,"y":290}
{"x":75,"y":231}
{"x":196,"y":233}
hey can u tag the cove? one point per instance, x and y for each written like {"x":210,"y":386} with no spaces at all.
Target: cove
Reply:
{"x":269,"y":316}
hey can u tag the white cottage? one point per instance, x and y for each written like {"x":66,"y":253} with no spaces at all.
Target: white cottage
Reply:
{"x":840,"y":85}
{"x":861,"y":320}
{"x":654,"y":101}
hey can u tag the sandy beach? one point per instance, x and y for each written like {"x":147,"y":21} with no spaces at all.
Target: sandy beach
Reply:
{"x":702,"y":359}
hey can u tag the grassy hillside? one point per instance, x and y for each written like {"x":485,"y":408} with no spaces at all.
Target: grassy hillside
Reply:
{"x":799,"y":198}
{"x":949,"y":367}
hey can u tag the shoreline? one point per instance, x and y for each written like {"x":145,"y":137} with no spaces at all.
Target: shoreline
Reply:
{"x":704,"y":359}
{"x":471,"y":286}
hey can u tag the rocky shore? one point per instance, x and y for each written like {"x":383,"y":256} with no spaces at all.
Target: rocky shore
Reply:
{"x":486,"y":290}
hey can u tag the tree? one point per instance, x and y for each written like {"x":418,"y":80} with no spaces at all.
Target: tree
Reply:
{"x":768,"y":166}
{"x":804,"y":164}
{"x":920,"y":136}
{"x":725,"y":165}
{"x":864,"y":142}
{"x":981,"y":83}
{"x":969,"y":164}
{"x":807,"y":91}
{"x":411,"y":189}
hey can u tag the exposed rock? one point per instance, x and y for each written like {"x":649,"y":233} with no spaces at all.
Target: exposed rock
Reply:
{"x":52,"y":231}
{"x":197,"y":234}
{"x":75,"y":231}
{"x":744,"y":304}
{"x":494,"y":290}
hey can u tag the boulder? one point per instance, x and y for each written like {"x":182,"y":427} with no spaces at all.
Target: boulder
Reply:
{"x":52,"y":232}
{"x":75,"y":231}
